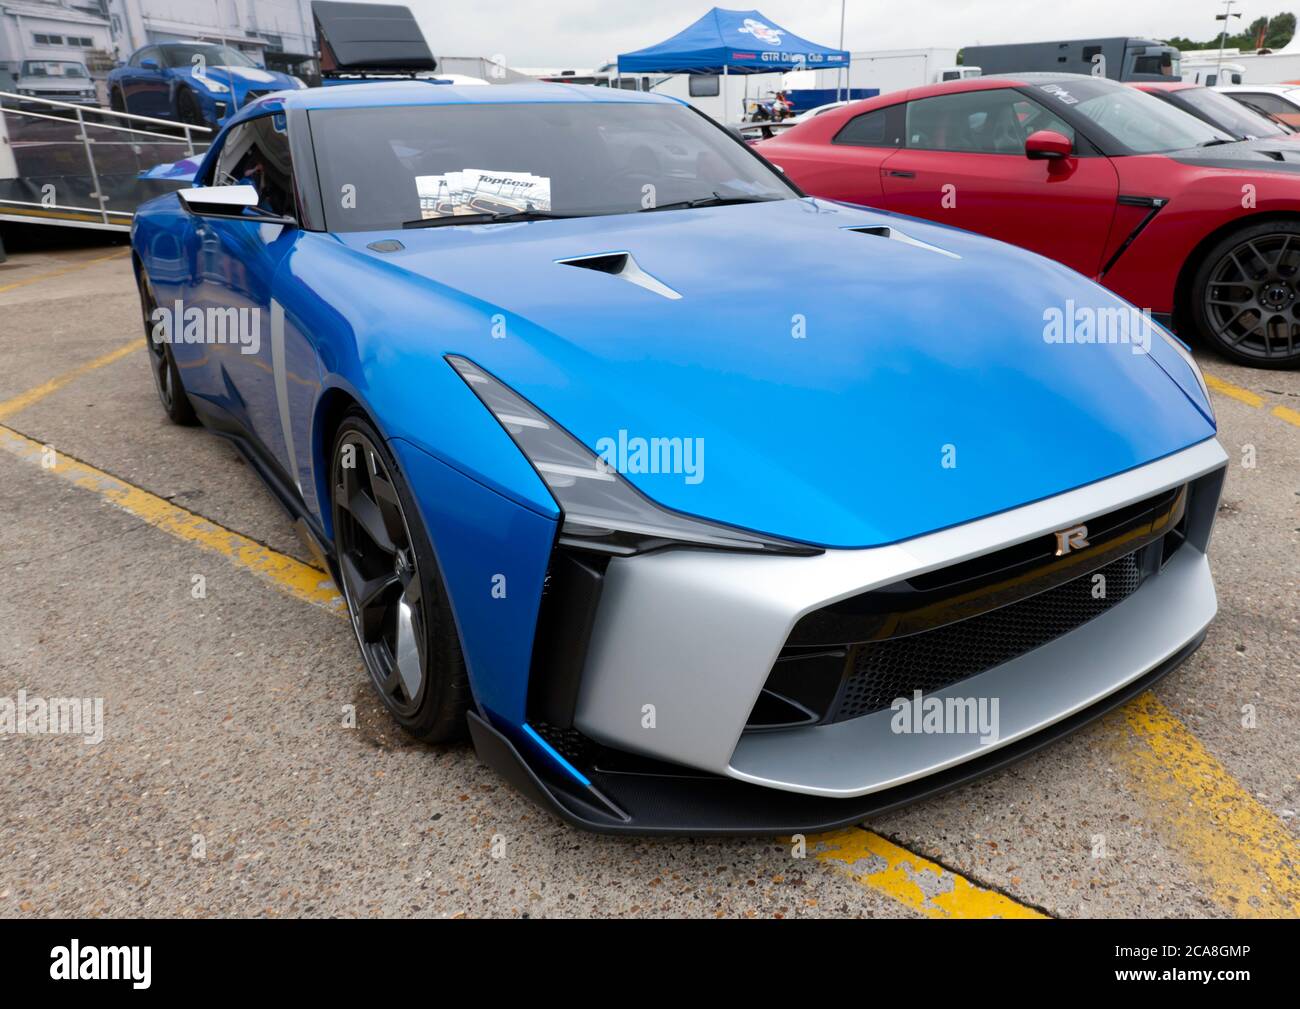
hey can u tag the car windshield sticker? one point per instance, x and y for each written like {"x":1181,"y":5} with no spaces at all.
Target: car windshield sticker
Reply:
{"x":1060,"y":94}
{"x":478,"y":191}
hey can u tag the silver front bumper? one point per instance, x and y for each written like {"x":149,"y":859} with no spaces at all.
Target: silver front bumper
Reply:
{"x":684,"y":641}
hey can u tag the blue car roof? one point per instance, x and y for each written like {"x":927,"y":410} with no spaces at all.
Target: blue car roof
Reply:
{"x":365,"y":94}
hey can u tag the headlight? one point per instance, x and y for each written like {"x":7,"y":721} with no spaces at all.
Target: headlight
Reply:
{"x":1186,"y":355}
{"x":216,"y":87}
{"x":602,"y":511}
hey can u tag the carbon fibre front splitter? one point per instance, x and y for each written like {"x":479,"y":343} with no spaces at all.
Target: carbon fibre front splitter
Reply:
{"x":691,"y":803}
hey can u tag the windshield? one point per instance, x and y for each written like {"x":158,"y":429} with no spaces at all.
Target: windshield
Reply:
{"x":415,"y":163}
{"x":182,"y":55}
{"x":1242,"y":122}
{"x":53,"y":68}
{"x":1135,"y":120}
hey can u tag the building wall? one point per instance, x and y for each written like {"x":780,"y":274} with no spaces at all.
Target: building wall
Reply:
{"x":71,"y":34}
{"x":119,"y":27}
{"x":249,"y":25}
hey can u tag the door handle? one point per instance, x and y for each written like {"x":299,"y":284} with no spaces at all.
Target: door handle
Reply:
{"x":898,"y":174}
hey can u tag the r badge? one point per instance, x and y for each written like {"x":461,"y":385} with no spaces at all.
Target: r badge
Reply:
{"x":1074,"y":538}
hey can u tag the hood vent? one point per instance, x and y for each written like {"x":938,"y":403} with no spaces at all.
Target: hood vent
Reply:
{"x":886,"y":231}
{"x":625,"y":267}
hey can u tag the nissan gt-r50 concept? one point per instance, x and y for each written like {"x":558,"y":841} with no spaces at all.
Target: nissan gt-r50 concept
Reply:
{"x":702,"y":505}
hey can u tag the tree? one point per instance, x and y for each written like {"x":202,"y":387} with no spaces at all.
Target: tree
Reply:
{"x":1275,"y":33}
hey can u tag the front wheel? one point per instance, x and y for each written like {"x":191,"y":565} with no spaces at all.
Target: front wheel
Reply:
{"x":187,"y":109}
{"x":395,"y":594}
{"x":116,"y":101}
{"x":1245,"y":296}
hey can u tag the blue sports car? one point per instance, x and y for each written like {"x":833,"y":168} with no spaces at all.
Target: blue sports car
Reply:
{"x":703,"y":506}
{"x":200,"y":83}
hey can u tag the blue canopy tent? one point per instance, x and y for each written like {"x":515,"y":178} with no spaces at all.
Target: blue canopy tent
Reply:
{"x":732,"y":42}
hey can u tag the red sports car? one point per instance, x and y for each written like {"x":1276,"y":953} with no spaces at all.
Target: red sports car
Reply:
{"x":1164,"y":209}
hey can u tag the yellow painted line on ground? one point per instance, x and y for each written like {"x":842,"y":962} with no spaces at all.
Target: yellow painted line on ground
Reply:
{"x":1247,"y":858}
{"x":59,"y":273}
{"x":913,"y":881}
{"x":10,"y":407}
{"x":1286,"y":414}
{"x":89,"y":216}
{"x":1235,"y":391}
{"x":288,"y":574}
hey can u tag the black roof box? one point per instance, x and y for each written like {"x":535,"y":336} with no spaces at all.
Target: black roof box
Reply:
{"x":360,"y":37}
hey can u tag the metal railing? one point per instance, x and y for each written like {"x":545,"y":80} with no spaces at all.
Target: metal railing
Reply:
{"x":11,"y":104}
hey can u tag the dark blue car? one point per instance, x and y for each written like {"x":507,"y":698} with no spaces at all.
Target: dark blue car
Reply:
{"x":201,"y":83}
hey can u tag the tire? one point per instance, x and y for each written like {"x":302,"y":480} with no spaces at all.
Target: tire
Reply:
{"x":386,"y":563}
{"x":1245,"y":296}
{"x":187,"y":109}
{"x":166,"y":376}
{"x":116,"y":101}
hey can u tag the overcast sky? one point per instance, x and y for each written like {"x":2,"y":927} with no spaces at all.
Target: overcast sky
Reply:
{"x":584,"y":33}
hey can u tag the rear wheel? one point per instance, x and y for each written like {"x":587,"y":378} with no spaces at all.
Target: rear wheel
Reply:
{"x":1246,"y":295}
{"x":166,"y":376}
{"x":394,"y":590}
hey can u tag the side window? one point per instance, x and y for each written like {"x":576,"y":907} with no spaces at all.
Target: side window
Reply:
{"x":257,"y":153}
{"x":145,"y":54}
{"x":878,"y":128}
{"x":704,"y":86}
{"x":1267,"y":102}
{"x":976,"y":122}
{"x":1034,"y":117}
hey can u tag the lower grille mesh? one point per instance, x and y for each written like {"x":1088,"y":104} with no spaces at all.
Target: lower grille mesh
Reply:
{"x":881,"y":671}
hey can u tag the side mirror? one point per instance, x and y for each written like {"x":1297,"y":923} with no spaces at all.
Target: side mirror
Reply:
{"x":228,"y":202}
{"x":149,"y":63}
{"x":1048,"y":145}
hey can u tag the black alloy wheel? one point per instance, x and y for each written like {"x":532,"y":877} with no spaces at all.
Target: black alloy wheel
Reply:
{"x":1247,"y":296}
{"x":187,"y":108}
{"x":394,"y":591}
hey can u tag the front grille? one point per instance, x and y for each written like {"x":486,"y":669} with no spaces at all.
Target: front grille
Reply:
{"x":881,"y":671}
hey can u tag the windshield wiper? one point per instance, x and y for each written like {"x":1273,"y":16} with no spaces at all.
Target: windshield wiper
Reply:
{"x":487,"y":217}
{"x":1217,"y":142}
{"x":716,"y":200}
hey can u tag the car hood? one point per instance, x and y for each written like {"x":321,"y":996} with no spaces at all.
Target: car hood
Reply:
{"x":840,"y":388}
{"x":245,"y":79}
{"x":1270,"y":154}
{"x":55,"y":84}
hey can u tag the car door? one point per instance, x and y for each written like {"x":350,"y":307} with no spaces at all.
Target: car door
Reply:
{"x":963,"y":163}
{"x":145,"y":90}
{"x":848,"y":167}
{"x":264,"y":379}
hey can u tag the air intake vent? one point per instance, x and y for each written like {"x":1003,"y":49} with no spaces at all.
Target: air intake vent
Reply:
{"x":887,"y":231}
{"x":625,"y":267}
